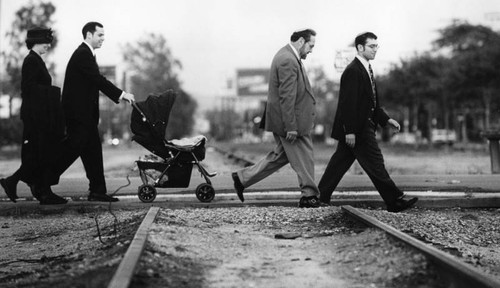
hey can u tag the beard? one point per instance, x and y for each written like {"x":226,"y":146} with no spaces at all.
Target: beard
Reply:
{"x":302,"y":53}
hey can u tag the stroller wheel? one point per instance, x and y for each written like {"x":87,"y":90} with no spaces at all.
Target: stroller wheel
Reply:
{"x":205,"y":192}
{"x":146,"y":193}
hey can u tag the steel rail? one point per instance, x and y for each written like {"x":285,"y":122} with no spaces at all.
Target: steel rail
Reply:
{"x":459,"y":273}
{"x":125,"y":271}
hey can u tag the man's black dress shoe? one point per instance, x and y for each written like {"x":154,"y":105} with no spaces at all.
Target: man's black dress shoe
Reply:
{"x":238,"y":186}
{"x":311,"y":202}
{"x":101,"y":197}
{"x":10,"y":188}
{"x":401,"y":204}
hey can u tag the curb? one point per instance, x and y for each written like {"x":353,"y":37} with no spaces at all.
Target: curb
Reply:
{"x":190,"y":201}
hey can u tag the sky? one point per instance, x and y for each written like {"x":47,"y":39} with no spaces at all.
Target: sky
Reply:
{"x":213,"y":38}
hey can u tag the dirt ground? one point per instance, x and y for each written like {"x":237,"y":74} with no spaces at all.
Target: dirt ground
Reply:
{"x":237,"y":247}
{"x":62,"y":248}
{"x":243,"y":247}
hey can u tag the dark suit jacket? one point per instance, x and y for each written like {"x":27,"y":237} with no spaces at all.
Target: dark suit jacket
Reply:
{"x":290,"y":103}
{"x":82,"y":83}
{"x":356,"y":102}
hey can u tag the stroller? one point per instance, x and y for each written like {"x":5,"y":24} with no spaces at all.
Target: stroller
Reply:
{"x":172,"y":162}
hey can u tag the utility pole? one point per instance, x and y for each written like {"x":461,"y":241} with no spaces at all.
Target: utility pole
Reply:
{"x":1,"y":58}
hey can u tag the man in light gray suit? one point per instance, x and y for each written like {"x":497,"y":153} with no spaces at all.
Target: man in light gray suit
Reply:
{"x":290,"y":114}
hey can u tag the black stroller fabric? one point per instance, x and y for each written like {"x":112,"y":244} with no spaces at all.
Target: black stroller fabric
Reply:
{"x":157,"y":110}
{"x":149,"y":130}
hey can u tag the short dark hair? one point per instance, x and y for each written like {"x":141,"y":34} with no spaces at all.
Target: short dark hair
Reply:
{"x":90,"y":27}
{"x":363,"y":37}
{"x":305,"y":33}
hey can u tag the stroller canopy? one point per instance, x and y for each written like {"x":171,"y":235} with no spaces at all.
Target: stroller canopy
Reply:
{"x":150,"y":118}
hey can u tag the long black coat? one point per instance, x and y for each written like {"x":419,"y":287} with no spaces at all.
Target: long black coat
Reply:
{"x":43,"y":122}
{"x":82,"y":83}
{"x":356,"y":102}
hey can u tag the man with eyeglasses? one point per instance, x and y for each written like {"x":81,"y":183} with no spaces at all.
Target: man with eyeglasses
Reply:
{"x":355,"y":125}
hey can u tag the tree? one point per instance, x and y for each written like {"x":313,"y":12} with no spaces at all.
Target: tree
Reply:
{"x":416,"y":87}
{"x":224,"y":123}
{"x":154,"y":70}
{"x":456,"y":82}
{"x":475,"y":54}
{"x":29,"y":16}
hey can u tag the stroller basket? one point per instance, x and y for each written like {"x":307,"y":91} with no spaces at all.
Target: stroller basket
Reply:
{"x":178,"y":175}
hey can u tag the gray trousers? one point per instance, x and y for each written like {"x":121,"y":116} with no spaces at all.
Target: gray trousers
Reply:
{"x":299,"y":155}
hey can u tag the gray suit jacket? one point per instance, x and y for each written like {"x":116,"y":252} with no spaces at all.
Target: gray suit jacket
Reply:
{"x":290,"y":104}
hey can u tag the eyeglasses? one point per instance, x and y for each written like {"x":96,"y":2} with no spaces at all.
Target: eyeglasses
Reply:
{"x":373,"y":46}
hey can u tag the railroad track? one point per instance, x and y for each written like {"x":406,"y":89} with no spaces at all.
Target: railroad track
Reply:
{"x":454,"y":271}
{"x":238,"y":159}
{"x":125,"y":271}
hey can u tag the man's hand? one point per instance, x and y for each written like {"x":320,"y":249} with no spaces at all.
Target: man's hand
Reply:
{"x":350,"y":140}
{"x":394,"y":124}
{"x":291,"y":136}
{"x":128,"y":97}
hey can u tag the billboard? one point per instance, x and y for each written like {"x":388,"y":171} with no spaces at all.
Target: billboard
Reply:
{"x":252,"y":82}
{"x":343,"y":58}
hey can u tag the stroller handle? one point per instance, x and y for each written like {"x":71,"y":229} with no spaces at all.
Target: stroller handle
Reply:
{"x":134,"y":105}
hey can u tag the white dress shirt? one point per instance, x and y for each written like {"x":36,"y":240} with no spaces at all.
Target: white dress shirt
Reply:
{"x":365,"y":64}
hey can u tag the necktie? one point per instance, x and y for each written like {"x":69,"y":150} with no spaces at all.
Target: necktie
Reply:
{"x":304,"y":74}
{"x":374,"y":90}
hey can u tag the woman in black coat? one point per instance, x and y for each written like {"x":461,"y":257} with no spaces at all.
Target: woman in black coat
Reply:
{"x":42,"y":119}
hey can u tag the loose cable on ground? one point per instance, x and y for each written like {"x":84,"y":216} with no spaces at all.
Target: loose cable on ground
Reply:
{"x":115,"y":222}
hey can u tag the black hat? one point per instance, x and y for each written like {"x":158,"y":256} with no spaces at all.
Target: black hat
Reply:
{"x":39,"y":35}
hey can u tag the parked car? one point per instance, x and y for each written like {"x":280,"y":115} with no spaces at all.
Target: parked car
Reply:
{"x":443,"y":136}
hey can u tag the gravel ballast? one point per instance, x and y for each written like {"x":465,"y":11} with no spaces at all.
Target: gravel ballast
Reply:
{"x":470,"y":234}
{"x":275,"y":247}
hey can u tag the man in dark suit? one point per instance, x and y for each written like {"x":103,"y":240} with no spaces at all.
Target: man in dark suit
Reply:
{"x":80,"y":100}
{"x":356,"y":120}
{"x":290,"y":114}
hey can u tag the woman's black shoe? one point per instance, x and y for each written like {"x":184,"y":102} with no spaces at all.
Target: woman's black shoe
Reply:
{"x":10,"y":186}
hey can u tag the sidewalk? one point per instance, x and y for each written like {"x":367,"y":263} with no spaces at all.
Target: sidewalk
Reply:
{"x":350,"y":187}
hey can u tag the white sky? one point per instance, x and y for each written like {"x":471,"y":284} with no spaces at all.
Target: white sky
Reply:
{"x":213,"y":38}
